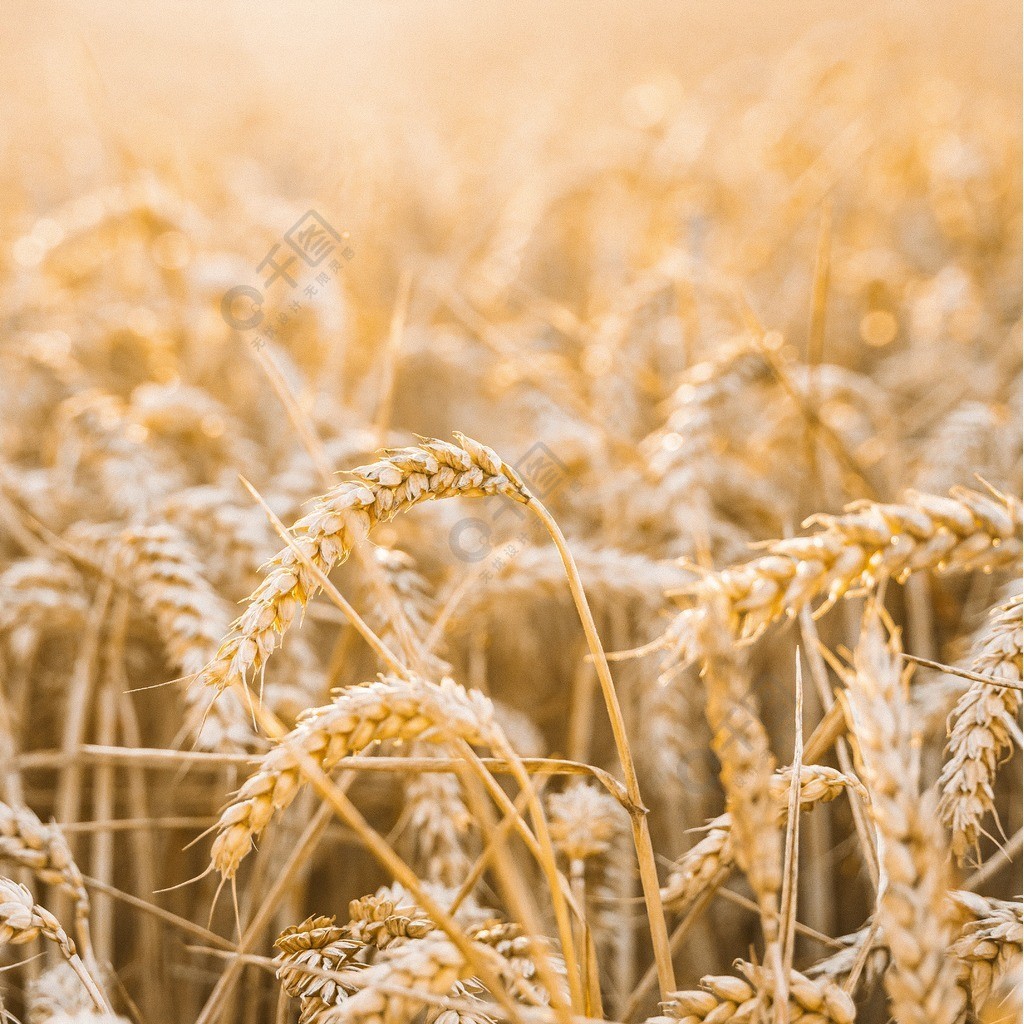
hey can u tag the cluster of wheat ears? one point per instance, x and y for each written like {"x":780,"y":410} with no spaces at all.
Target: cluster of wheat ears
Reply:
{"x":652,"y":651}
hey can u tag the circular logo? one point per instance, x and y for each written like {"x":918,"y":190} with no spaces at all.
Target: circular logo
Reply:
{"x":470,"y":540}
{"x":236,"y":296}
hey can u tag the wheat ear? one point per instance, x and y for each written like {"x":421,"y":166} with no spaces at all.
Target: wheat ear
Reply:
{"x":740,"y":741}
{"x":376,"y":493}
{"x":320,"y":944}
{"x":699,"y":865}
{"x":40,"y":594}
{"x":914,"y":912}
{"x":981,"y":727}
{"x":22,"y":920}
{"x":731,"y":1000}
{"x":58,"y":997}
{"x":386,"y":931}
{"x":166,"y":576}
{"x":43,"y":850}
{"x":585,"y":822}
{"x":359,"y":716}
{"x":869,"y":543}
{"x":389,"y":990}
{"x":439,"y":825}
{"x":990,"y":949}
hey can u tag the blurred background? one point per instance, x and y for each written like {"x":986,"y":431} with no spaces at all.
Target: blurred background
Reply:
{"x":158,"y":81}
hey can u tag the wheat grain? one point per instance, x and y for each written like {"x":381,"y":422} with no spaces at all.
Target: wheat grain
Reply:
{"x":732,"y":1000}
{"x":338,"y":972}
{"x":388,"y":917}
{"x":990,"y":949}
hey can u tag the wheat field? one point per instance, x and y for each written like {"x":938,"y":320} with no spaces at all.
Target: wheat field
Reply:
{"x":510,"y":518}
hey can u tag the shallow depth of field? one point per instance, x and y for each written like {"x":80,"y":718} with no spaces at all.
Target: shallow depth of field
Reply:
{"x":510,"y":515}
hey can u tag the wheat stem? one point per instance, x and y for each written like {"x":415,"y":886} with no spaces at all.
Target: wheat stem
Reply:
{"x":638,"y":813}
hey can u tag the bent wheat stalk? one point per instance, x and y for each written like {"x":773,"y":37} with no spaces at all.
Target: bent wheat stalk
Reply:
{"x":637,"y":811}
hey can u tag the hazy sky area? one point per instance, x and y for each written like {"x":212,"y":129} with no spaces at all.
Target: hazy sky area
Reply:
{"x":193,"y":68}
